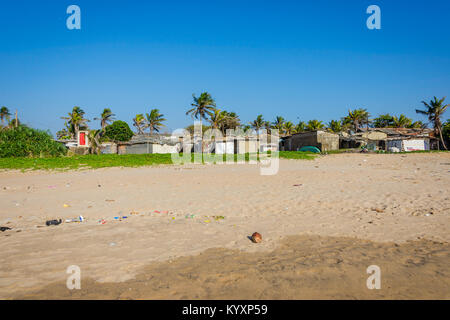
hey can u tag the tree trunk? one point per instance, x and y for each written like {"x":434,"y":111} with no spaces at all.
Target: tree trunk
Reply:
{"x":442,"y":138}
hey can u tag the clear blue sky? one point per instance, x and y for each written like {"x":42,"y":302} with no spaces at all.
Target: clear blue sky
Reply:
{"x":298,"y":59}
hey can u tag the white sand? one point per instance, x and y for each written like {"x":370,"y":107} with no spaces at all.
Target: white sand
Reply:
{"x":339,"y":196}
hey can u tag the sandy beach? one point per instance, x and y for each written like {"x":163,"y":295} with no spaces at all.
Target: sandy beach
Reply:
{"x":185,"y":235}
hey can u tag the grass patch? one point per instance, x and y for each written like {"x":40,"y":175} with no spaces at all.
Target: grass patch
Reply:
{"x":114,"y":160}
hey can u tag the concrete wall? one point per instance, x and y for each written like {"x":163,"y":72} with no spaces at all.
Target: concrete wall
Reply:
{"x":325,"y":141}
{"x":145,"y":148}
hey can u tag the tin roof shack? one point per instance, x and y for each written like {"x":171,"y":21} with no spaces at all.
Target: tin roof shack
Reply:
{"x":373,"y":140}
{"x":323,"y":140}
{"x":142,"y":144}
{"x":389,"y":139}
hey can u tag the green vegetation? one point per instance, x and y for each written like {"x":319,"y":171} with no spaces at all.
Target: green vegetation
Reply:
{"x":118,"y":131}
{"x":27,"y":142}
{"x":112,"y":160}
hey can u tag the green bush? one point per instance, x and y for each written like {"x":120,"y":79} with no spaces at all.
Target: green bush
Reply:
{"x":27,"y":142}
{"x":118,"y":131}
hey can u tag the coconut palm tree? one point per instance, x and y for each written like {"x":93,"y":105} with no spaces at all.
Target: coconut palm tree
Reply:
{"x":4,"y":114}
{"x":267,"y":126}
{"x":203,"y":106}
{"x":155,"y":120}
{"x":105,"y":118}
{"x":434,"y":111}
{"x":258,"y":123}
{"x":383,"y":121}
{"x":418,"y":125}
{"x":357,"y":118}
{"x":75,"y":121}
{"x":288,"y":128}
{"x":300,"y":127}
{"x":230,"y":121}
{"x":335,"y":126}
{"x":314,"y":125}
{"x":401,"y":122}
{"x":139,"y":123}
{"x":94,"y":141}
{"x":217,"y":119}
{"x":278,"y":124}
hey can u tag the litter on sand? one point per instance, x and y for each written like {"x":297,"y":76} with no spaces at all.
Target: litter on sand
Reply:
{"x":3,"y":229}
{"x":79,"y":219}
{"x":65,"y":205}
{"x":256,"y":237}
{"x":53,"y":222}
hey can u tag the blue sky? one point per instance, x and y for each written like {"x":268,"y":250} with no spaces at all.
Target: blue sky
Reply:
{"x":298,"y":59}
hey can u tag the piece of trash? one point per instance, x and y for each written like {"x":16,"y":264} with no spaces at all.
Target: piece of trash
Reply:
{"x":378,"y":210}
{"x":102,"y":221}
{"x":134,"y":212}
{"x":3,"y":229}
{"x":156,"y":211}
{"x":297,"y":185}
{"x":68,"y":185}
{"x":53,"y":222}
{"x":217,"y":218}
{"x":207,"y":221}
{"x":99,"y":186}
{"x":112,"y":244}
{"x":65,"y":205}
{"x":256,"y":237}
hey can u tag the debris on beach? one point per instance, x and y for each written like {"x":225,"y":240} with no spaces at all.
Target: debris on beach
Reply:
{"x":378,"y":210}
{"x":65,"y":205}
{"x":79,"y":219}
{"x":53,"y":222}
{"x":256,"y":237}
{"x":3,"y":229}
{"x":102,"y":221}
{"x":297,"y":185}
{"x":134,"y":212}
{"x":217,"y":218}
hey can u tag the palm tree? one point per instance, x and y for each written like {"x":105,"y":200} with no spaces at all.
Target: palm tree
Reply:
{"x":105,"y":118}
{"x":94,"y":141}
{"x":314,"y":125}
{"x":383,"y":121}
{"x":4,"y":114}
{"x":288,"y":128}
{"x":258,"y":123}
{"x":278,"y":124}
{"x":267,"y":127}
{"x":435,"y":110}
{"x":203,"y":106}
{"x":230,"y":121}
{"x":357,"y":118}
{"x":401,"y":122}
{"x":75,"y":121}
{"x":335,"y":126}
{"x":300,"y":127}
{"x":139,"y":123}
{"x":154,"y":120}
{"x":418,"y":125}
{"x":217,"y":118}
